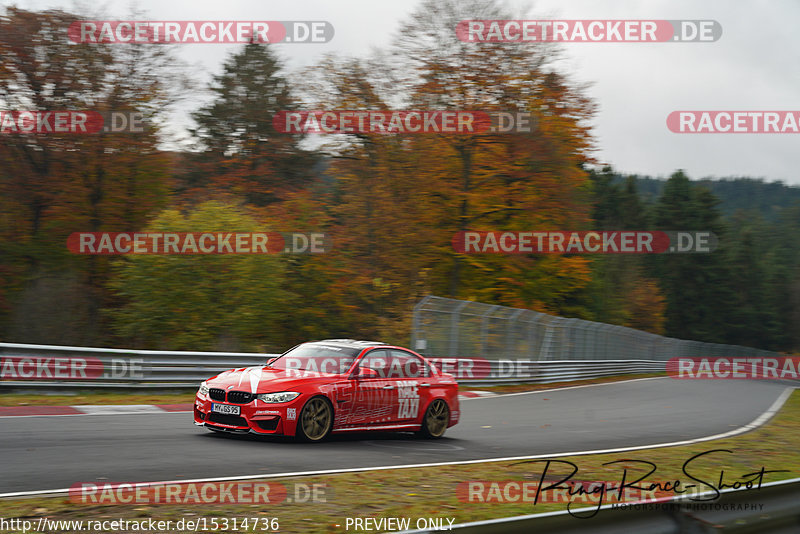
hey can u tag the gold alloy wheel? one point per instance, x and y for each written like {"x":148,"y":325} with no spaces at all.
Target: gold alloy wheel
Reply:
{"x":436,"y":419}
{"x":315,"y":419}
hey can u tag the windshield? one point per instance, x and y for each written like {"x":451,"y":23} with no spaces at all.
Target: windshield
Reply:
{"x":318,"y":358}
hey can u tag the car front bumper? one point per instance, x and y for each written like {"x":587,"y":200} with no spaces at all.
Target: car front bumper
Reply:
{"x":257,"y":417}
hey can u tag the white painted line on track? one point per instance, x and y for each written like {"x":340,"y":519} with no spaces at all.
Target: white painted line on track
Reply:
{"x":155,"y":410}
{"x":551,"y":390}
{"x":117,"y":409}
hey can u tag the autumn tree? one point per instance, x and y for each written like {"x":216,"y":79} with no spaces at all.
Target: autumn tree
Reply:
{"x":239,"y":149}
{"x":522,"y":181}
{"x":54,"y":184}
{"x":201,"y":302}
{"x":396,"y":200}
{"x":379,"y":212}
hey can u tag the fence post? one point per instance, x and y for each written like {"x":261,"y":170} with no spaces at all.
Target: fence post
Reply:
{"x":455,"y":317}
{"x":415,"y":321}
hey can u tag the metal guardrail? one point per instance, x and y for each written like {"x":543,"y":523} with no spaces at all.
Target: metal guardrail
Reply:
{"x":443,"y":327}
{"x":772,"y":508}
{"x":485,"y":372}
{"x":52,"y":366}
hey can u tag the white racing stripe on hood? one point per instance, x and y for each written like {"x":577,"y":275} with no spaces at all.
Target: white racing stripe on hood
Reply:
{"x":255,"y":378}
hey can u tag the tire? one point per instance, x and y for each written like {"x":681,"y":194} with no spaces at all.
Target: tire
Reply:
{"x":316,"y":420}
{"x":435,"y":421}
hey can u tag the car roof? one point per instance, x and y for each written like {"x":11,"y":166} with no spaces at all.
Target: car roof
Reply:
{"x":355,"y":343}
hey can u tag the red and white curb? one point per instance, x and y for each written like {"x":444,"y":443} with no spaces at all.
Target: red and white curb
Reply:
{"x":115,"y":409}
{"x":120,"y":409}
{"x":475,"y":394}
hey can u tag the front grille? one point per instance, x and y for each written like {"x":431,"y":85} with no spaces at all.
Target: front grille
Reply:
{"x":217,"y":394}
{"x":227,"y":419}
{"x":240,"y":397}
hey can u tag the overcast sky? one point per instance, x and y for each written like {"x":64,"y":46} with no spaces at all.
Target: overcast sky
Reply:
{"x":752,"y":67}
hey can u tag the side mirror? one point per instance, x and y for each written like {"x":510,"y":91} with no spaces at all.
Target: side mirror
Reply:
{"x":366,"y":372}
{"x":271,"y":360}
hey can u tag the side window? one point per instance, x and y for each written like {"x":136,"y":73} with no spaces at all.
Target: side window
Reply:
{"x":377,"y":360}
{"x":403,"y":364}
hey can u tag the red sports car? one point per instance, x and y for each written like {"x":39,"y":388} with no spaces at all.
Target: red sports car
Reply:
{"x":334,"y":385}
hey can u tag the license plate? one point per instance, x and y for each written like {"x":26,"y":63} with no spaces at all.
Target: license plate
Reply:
{"x":225,"y":408}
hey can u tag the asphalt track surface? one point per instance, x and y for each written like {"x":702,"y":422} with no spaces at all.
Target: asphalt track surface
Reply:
{"x":51,"y":452}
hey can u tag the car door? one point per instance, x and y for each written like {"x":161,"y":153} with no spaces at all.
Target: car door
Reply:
{"x":375,"y":397}
{"x":411,"y":377}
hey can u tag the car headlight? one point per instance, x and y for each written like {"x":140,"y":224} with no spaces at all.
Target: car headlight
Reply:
{"x":203,"y":389}
{"x":283,"y":396}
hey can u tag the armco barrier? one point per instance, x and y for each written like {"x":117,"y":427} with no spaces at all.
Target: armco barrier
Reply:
{"x":86,"y":367}
{"x":475,"y":371}
{"x":55,"y":366}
